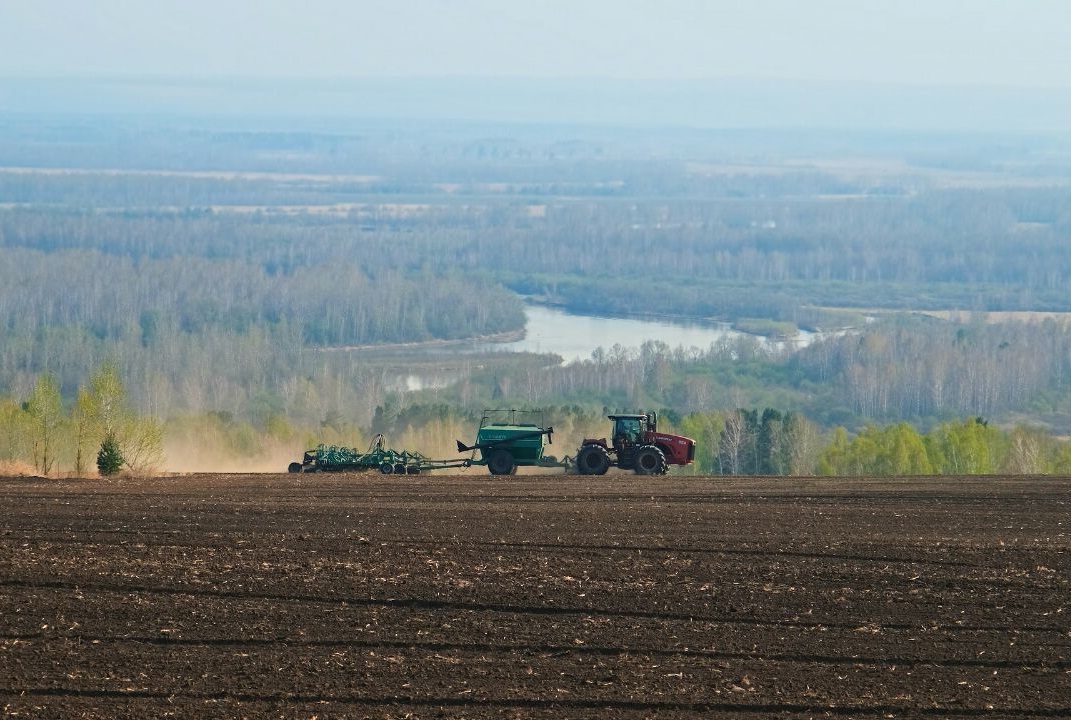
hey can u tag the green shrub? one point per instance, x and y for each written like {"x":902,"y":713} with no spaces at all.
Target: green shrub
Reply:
{"x":110,"y":457}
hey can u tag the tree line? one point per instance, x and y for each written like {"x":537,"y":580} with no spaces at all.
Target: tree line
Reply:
{"x":99,"y":430}
{"x":770,"y":442}
{"x":50,"y":436}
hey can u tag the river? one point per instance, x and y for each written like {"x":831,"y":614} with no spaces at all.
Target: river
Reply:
{"x":575,"y":337}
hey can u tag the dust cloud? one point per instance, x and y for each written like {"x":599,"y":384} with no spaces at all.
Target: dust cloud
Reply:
{"x":184,"y":456}
{"x":17,"y":468}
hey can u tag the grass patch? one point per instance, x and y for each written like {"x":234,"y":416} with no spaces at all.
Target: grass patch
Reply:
{"x":767,"y":328}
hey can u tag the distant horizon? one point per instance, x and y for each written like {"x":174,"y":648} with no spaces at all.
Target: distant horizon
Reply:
{"x":206,"y":78}
{"x":714,"y":103}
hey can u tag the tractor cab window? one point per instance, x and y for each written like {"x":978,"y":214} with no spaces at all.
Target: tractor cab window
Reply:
{"x":628,"y":429}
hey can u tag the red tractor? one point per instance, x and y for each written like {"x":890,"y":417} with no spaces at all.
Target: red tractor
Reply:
{"x":637,"y":446}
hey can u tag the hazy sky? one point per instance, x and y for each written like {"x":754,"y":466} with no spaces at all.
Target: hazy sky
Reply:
{"x":986,"y":42}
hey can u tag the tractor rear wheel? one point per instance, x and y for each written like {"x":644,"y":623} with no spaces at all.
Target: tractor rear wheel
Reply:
{"x":651,"y":461}
{"x":593,"y":460}
{"x":501,"y":462}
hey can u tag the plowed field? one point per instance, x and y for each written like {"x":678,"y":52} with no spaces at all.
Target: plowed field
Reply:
{"x":303,"y":596}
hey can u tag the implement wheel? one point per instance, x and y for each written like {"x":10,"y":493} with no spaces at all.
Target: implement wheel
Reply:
{"x":295,"y":467}
{"x":386,"y":468}
{"x":501,"y":462}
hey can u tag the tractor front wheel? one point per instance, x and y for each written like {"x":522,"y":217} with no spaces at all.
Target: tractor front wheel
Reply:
{"x":593,"y":460}
{"x":501,"y":462}
{"x":651,"y":461}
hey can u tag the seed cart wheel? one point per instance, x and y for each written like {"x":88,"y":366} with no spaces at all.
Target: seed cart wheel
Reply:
{"x":501,"y":462}
{"x":592,"y":460}
{"x":399,"y":469}
{"x":650,"y":461}
{"x":295,"y":467}
{"x":412,"y":470}
{"x":386,"y":468}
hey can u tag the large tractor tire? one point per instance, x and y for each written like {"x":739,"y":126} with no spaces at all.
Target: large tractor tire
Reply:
{"x":501,"y":462}
{"x":651,"y":461}
{"x":593,"y":460}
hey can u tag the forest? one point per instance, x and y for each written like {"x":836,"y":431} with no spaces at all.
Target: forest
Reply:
{"x":258,"y":285}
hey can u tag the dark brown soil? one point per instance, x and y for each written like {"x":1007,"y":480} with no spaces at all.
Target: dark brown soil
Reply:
{"x":432,"y":596}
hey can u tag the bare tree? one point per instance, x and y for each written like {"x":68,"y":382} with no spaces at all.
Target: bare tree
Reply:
{"x":733,"y":442}
{"x":46,"y":413}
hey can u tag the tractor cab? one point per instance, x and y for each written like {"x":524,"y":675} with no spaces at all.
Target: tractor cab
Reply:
{"x":629,"y":430}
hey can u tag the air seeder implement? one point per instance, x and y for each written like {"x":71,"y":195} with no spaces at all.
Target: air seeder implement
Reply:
{"x":335,"y":458}
{"x":505,"y":444}
{"x":510,"y":439}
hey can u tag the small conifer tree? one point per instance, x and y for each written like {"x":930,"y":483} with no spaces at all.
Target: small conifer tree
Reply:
{"x":110,"y":457}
